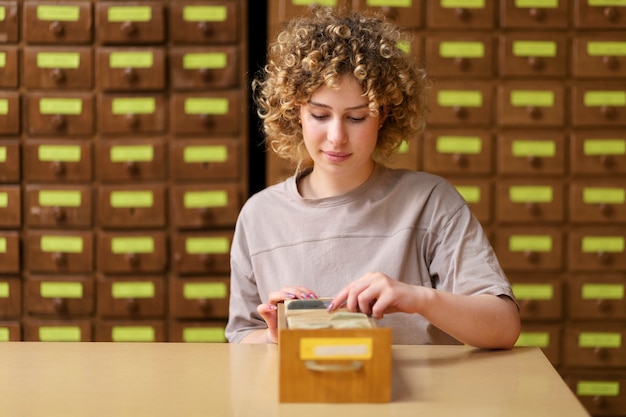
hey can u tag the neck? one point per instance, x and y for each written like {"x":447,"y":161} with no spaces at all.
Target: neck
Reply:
{"x":318,"y":185}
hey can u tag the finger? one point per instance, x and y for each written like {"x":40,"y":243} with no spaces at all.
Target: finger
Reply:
{"x":269,"y":313}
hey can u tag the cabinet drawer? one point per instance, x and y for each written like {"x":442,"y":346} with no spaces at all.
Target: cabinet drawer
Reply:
{"x":468,"y":14}
{"x":131,"y":206}
{"x":599,"y":55}
{"x":407,"y":155}
{"x":548,"y":337}
{"x":214,"y":67}
{"x":130,"y":160}
{"x":205,"y":331}
{"x":55,"y":114}
{"x":525,"y":103}
{"x":58,"y":161}
{"x":599,"y":104}
{"x":604,"y":15}
{"x":58,"y":22}
{"x":10,"y":207}
{"x":478,"y":195}
{"x":207,"y":113}
{"x":130,"y":331}
{"x":131,"y":297}
{"x":10,"y":253}
{"x":538,"y":298}
{"x":131,"y":114}
{"x":10,"y":166}
{"x":205,"y":159}
{"x":534,"y":200}
{"x":10,"y":64}
{"x":461,"y":103}
{"x":450,"y":151}
{"x":130,"y":69}
{"x":58,"y":251}
{"x":529,"y":248}
{"x":534,"y":15}
{"x":405,"y":14}
{"x":10,"y":301}
{"x":594,"y":345}
{"x":201,"y":206}
{"x":201,"y":253}
{"x":199,"y":298}
{"x":130,"y":22}
{"x":214,"y":22}
{"x":9,"y":25}
{"x":59,"y":296}
{"x":10,"y":331}
{"x":597,"y":249}
{"x":533,"y":54}
{"x":600,"y":152}
{"x":58,"y":68}
{"x":597,"y":297}
{"x":598,"y":201}
{"x":10,"y":114}
{"x":459,"y":55}
{"x":531,"y":152}
{"x":601,"y":393}
{"x":58,"y":330}
{"x":132,"y":252}
{"x":58,"y":206}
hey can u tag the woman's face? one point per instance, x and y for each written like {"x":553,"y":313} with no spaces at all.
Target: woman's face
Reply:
{"x":339,"y":132}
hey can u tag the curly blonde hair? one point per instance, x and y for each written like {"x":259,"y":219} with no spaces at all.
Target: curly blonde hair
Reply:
{"x":318,"y":49}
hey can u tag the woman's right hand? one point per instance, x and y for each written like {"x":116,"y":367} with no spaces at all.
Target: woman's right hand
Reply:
{"x":269,"y":310}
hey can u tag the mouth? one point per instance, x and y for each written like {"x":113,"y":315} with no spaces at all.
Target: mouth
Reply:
{"x":336,"y":156}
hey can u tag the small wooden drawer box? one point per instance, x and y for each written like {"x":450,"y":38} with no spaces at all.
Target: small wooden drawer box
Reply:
{"x":332,"y":365}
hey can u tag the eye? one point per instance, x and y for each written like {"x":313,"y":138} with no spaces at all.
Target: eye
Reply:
{"x":319,"y":116}
{"x":356,"y":119}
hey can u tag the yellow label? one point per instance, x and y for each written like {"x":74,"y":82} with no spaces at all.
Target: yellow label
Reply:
{"x":205,"y":290}
{"x":531,"y":194}
{"x":204,"y":335}
{"x":65,"y":244}
{"x":4,"y":106}
{"x":403,"y":149}
{"x":132,"y":245}
{"x":132,"y":290}
{"x":61,"y":153}
{"x":5,"y":290}
{"x":131,"y":60}
{"x":462,"y":49}
{"x":546,"y":4}
{"x":602,"y":244}
{"x":3,"y":13}
{"x":606,"y":48}
{"x":533,"y":339}
{"x":389,"y":3}
{"x":604,"y":147}
{"x":459,"y":144}
{"x":532,"y":98}
{"x":3,"y":245}
{"x":527,"y":148}
{"x":523,"y":243}
{"x":606,"y":2}
{"x":199,"y":245}
{"x":602,"y":291}
{"x":534,"y":48}
{"x":61,"y":290}
{"x":136,"y":105}
{"x":404,"y":46}
{"x":60,"y":13}
{"x":3,"y":153}
{"x":138,"y":153}
{"x":604,"y":195}
{"x":71,"y":106}
{"x":4,"y":200}
{"x":124,"y":199}
{"x":599,"y":339}
{"x":200,"y":154}
{"x":58,"y":60}
{"x":54,"y":198}
{"x":206,"y":106}
{"x":216,"y":60}
{"x":336,"y":348}
{"x":450,"y":98}
{"x":470,"y":4}
{"x":541,"y":292}
{"x":314,"y":2}
{"x":470,"y":193}
{"x":129,"y":14}
{"x":206,"y":13}
{"x":598,"y":388}
{"x":199,"y":199}
{"x":5,"y":335}
{"x":133,"y":334}
{"x":605,"y":98}
{"x":3,"y":59}
{"x":59,"y":334}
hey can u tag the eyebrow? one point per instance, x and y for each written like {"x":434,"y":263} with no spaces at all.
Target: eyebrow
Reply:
{"x":360,"y":106}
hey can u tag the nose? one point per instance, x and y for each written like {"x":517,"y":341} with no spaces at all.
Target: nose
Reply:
{"x":337,"y":133}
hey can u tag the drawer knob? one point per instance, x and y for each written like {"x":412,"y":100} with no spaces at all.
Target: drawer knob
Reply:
{"x":605,"y":209}
{"x":533,"y":209}
{"x":206,"y":214}
{"x":460,"y":112}
{"x":205,"y":28}
{"x":59,"y":214}
{"x":532,"y":257}
{"x":534,"y":161}
{"x":205,"y":305}
{"x":536,"y":63}
{"x":608,"y":112}
{"x":58,"y":168}
{"x":132,"y":259}
{"x":607,"y":161}
{"x":132,"y":167}
{"x":537,"y":14}
{"x":57,"y":75}
{"x":534,"y":112}
{"x":130,"y":75}
{"x":460,"y":160}
{"x":205,"y":74}
{"x":390,"y":12}
{"x":57,"y":28}
{"x":132,"y":305}
{"x":58,"y":122}
{"x":207,"y":120}
{"x":60,"y":305}
{"x":599,"y":401}
{"x":462,"y":63}
{"x":600,"y":352}
{"x":462,"y":13}
{"x":610,"y":62}
{"x":207,"y":260}
{"x":132,"y":120}
{"x":603,"y":305}
{"x":129,"y":29}
{"x":60,"y":259}
{"x":604,"y":258}
{"x":610,"y":13}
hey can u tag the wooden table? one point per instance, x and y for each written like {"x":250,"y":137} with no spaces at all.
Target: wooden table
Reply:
{"x":46,"y":379}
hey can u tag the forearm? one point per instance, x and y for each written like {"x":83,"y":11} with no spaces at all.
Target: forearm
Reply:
{"x":257,"y":336}
{"x":485,"y":321}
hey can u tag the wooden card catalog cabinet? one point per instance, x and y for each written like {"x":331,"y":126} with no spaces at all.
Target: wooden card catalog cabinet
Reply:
{"x":199,"y":298}
{"x":62,"y":207}
{"x":599,"y":104}
{"x":9,"y":13}
{"x":127,"y":114}
{"x":54,"y":114}
{"x":123,"y":160}
{"x":529,"y":248}
{"x":468,"y":55}
{"x":204,"y":67}
{"x":598,"y":152}
{"x":10,"y":206}
{"x":59,"y":296}
{"x":130,"y":69}
{"x":451,"y":151}
{"x":131,"y":297}
{"x":201,"y":253}
{"x":8,"y":66}
{"x":597,"y":249}
{"x":10,"y":254}
{"x":9,"y":113}
{"x":10,"y":166}
{"x":57,"y":330}
{"x":132,"y":252}
{"x":140,"y":22}
{"x":57,"y":161}
{"x":524,"y":55}
{"x":536,"y":104}
{"x":58,"y":22}
{"x":531,"y":153}
{"x":58,"y":68}
{"x":461,"y":103}
{"x":125,"y":331}
{"x":59,"y":251}
{"x":208,"y":159}
{"x":210,"y":113}
{"x":548,"y":14}
{"x":136,"y":206}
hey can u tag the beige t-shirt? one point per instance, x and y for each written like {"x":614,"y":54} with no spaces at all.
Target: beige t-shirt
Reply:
{"x":411,"y":226}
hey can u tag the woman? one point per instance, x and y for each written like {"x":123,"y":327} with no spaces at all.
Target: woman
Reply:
{"x":337,"y":97}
